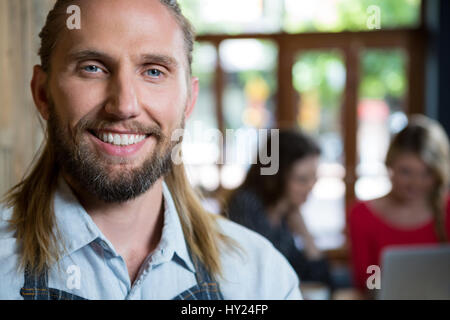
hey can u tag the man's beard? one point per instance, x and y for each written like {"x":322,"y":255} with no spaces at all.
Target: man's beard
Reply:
{"x":88,"y":170}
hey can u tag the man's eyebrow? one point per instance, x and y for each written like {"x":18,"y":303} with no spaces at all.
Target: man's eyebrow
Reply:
{"x":161,"y":59}
{"x":89,"y":54}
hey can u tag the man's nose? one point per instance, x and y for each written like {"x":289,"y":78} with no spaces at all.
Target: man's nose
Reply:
{"x":123,"y":101}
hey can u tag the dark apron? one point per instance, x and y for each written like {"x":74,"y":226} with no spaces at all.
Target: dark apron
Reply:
{"x":36,"y":287}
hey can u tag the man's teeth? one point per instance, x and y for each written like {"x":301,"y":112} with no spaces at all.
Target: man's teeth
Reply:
{"x":121,"y":139}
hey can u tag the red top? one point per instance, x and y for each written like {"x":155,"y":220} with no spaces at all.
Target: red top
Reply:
{"x":370,"y":234}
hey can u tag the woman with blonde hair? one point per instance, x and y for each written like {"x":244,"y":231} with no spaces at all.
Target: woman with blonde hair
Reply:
{"x":417,"y":209}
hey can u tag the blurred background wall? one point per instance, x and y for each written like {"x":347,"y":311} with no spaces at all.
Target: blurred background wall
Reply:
{"x":20,"y":132}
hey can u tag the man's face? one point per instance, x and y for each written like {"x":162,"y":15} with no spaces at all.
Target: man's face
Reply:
{"x":118,"y":88}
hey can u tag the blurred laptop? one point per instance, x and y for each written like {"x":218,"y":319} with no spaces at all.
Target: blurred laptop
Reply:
{"x":415,"y":273}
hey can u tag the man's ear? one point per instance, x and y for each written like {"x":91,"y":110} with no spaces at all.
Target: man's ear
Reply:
{"x":39,"y":91}
{"x":192,"y":97}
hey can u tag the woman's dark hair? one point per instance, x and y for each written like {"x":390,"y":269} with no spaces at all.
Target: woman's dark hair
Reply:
{"x":294,"y":145}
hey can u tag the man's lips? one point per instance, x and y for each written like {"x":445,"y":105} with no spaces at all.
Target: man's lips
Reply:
{"x":115,"y":144}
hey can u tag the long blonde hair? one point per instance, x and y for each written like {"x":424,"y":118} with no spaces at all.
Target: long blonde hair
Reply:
{"x":33,"y":217}
{"x":427,"y":139}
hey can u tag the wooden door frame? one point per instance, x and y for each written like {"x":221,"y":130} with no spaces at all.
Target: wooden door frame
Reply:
{"x":412,"y":41}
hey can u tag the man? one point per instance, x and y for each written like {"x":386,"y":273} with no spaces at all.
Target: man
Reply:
{"x":105,"y":213}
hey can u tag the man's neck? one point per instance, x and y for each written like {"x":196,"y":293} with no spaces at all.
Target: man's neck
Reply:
{"x":133,"y":227}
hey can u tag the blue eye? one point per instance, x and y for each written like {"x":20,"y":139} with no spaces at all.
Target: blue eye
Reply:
{"x":91,"y":69}
{"x":153,"y":73}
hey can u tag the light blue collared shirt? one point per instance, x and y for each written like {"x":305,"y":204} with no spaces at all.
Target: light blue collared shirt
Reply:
{"x":93,"y":269}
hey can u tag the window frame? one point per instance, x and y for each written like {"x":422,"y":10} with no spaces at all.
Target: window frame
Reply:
{"x":412,"y":40}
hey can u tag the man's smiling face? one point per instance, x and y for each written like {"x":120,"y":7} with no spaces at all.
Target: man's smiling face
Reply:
{"x":117,"y":89}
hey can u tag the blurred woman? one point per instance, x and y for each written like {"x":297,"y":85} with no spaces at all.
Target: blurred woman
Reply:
{"x":270,"y":204}
{"x":417,"y":209}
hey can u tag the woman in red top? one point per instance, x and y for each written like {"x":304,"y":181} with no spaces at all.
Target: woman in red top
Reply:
{"x":417,"y":209}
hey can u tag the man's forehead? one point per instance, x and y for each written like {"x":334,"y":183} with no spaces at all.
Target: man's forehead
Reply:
{"x":129,"y":12}
{"x":115,"y":28}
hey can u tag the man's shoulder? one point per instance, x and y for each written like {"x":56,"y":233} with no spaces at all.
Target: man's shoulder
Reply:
{"x":251,"y":246}
{"x":255,"y":269}
{"x":247,"y":238}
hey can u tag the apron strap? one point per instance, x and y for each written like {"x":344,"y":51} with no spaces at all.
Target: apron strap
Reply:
{"x":35,"y":285}
{"x":36,"y":288}
{"x":35,"y":280}
{"x":207,"y":287}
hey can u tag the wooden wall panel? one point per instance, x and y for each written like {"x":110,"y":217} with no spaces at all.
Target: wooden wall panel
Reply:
{"x":20,"y":131}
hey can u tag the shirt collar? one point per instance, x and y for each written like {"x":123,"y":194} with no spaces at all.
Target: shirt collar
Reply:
{"x":173,"y":244}
{"x":75,"y":225}
{"x":77,"y":228}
